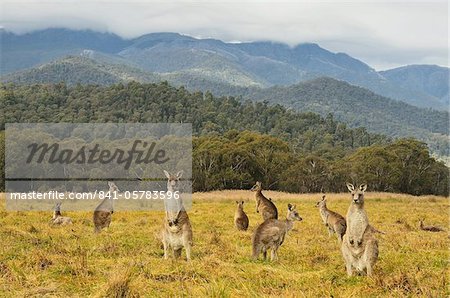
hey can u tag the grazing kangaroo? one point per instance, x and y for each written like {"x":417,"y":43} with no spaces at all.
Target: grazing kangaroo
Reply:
{"x":264,"y":206}
{"x":429,"y":228}
{"x":177,"y":230}
{"x":240,"y":218}
{"x":359,"y":246}
{"x":271,"y":234}
{"x":103,"y":212}
{"x":334,"y":222}
{"x":58,"y":219}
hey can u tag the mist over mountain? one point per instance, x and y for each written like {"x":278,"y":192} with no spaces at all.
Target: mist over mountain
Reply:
{"x":31,"y":49}
{"x":180,"y":58}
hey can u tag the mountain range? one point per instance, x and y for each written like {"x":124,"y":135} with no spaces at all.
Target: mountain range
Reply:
{"x":205,"y":64}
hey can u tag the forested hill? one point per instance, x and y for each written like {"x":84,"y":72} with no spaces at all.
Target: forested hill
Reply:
{"x":356,"y":106}
{"x":136,"y":102}
{"x":237,"y":143}
{"x":74,"y":70}
{"x":360,"y":107}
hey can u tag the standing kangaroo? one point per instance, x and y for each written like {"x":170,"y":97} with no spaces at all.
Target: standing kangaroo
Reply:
{"x":58,"y":219}
{"x":271,"y":234}
{"x":334,"y":222}
{"x":359,"y":246}
{"x":177,"y":230}
{"x":103,"y":212}
{"x":264,"y":206}
{"x":240,"y":218}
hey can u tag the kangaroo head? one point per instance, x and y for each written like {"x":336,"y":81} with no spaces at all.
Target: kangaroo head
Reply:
{"x":57,"y":206}
{"x":421,"y":221}
{"x":322,"y":202}
{"x":357,"y":194}
{"x":240,"y":204}
{"x":172,"y":180}
{"x":292,"y":213}
{"x":113,"y":187}
{"x":57,"y":210}
{"x":257,"y":186}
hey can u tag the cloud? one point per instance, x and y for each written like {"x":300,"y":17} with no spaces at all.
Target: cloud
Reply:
{"x":383,"y":34}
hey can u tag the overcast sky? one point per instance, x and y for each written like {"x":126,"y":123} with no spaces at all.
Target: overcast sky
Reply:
{"x":383,"y":34}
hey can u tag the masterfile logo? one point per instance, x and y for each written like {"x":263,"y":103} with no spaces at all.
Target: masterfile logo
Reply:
{"x":54,"y":154}
{"x":76,"y":161}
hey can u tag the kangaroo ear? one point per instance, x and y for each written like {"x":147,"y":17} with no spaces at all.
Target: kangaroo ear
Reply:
{"x":258,"y":183}
{"x":111,"y":184}
{"x":363,"y":187}
{"x":323,"y":197}
{"x":237,"y":202}
{"x":179,"y":174}
{"x":167,"y":174}
{"x":242,"y":202}
{"x":289,"y":207}
{"x":350,"y":187}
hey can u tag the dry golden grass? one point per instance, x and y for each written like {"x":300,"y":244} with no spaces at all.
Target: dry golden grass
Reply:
{"x":37,"y":259}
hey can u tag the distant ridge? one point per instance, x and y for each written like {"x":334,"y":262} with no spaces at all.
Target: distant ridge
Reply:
{"x":255,"y":64}
{"x":427,"y":79}
{"x":80,"y":70}
{"x":360,"y":107}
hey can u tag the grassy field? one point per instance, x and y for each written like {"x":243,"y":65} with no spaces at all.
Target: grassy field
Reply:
{"x":37,"y":259}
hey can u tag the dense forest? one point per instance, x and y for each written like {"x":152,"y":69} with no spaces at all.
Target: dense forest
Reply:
{"x":360,"y":107}
{"x":355,"y":106}
{"x":152,"y":103}
{"x":239,"y":142}
{"x":235,"y":160}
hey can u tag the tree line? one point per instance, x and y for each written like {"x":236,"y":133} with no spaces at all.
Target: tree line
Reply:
{"x":237,"y":159}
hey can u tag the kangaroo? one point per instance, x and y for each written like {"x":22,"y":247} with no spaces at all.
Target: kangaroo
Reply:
{"x":264,"y":205}
{"x":240,"y":218}
{"x":334,"y":222}
{"x":271,"y":234}
{"x":58,"y":219}
{"x":429,"y":228}
{"x":103,"y":212}
{"x":177,"y":230}
{"x":359,"y":246}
